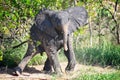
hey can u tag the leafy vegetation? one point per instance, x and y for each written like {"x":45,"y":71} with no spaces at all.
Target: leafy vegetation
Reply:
{"x":97,"y":43}
{"x":102,"y":55}
{"x":37,"y":60}
{"x":12,"y":57}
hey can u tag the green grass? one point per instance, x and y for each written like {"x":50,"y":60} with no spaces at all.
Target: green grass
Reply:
{"x":103,"y":55}
{"x":98,"y":76}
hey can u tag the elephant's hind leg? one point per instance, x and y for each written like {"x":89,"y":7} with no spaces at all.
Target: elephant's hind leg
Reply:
{"x":47,"y":66}
{"x":29,"y":54}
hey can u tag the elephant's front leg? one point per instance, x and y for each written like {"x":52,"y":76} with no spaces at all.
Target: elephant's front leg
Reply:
{"x":70,"y":55}
{"x":29,"y":54}
{"x":53,"y":58}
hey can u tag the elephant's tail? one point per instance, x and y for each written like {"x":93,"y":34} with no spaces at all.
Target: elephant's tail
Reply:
{"x":20,"y":44}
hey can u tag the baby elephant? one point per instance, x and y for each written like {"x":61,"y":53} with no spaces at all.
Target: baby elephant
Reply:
{"x":53,"y":30}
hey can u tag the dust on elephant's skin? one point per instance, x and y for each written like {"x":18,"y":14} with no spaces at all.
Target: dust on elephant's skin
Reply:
{"x":64,"y":22}
{"x":54,"y":30}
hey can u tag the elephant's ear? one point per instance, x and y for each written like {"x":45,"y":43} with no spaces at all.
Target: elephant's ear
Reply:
{"x":79,"y":14}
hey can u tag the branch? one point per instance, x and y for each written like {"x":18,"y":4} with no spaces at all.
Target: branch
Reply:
{"x":116,"y":3}
{"x":115,"y":8}
{"x":113,"y":17}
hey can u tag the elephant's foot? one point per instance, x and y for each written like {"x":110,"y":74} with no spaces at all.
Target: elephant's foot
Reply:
{"x":69,"y":70}
{"x":70,"y":67}
{"x":17,"y":71}
{"x":47,"y":72}
{"x":59,"y":72}
{"x":47,"y":69}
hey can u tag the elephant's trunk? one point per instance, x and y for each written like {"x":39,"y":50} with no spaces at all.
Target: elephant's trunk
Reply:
{"x":65,"y":34}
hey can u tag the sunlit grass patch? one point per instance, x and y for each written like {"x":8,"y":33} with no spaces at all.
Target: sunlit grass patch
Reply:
{"x":99,"y":76}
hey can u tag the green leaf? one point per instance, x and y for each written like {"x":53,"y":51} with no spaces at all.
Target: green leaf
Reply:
{"x":12,"y":26}
{"x":31,"y":12}
{"x":38,"y":43}
{"x":28,"y":2}
{"x":14,"y":17}
{"x":6,"y":30}
{"x":1,"y":55}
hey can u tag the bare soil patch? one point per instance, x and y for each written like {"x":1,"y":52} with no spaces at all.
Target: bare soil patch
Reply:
{"x":35,"y":73}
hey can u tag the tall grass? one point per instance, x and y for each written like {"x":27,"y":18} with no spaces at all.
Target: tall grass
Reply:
{"x":103,"y":55}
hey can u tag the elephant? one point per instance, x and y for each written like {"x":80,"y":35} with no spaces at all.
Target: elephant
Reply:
{"x":54,"y":30}
{"x":68,"y":21}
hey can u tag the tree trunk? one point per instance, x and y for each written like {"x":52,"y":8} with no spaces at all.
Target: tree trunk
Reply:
{"x":90,"y":31}
{"x":117,"y":34}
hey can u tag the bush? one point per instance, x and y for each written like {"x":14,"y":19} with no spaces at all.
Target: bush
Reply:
{"x":12,"y":57}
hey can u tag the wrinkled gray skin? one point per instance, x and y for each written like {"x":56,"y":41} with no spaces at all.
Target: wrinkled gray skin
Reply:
{"x":54,"y":30}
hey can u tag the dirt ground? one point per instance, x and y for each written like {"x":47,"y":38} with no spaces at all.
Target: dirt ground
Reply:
{"x":35,"y":73}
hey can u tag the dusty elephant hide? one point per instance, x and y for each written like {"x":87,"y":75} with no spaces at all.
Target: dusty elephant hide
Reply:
{"x":53,"y":29}
{"x":64,"y":22}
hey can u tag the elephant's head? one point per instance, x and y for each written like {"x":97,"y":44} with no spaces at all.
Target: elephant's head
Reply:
{"x":62,"y":20}
{"x":68,"y":21}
